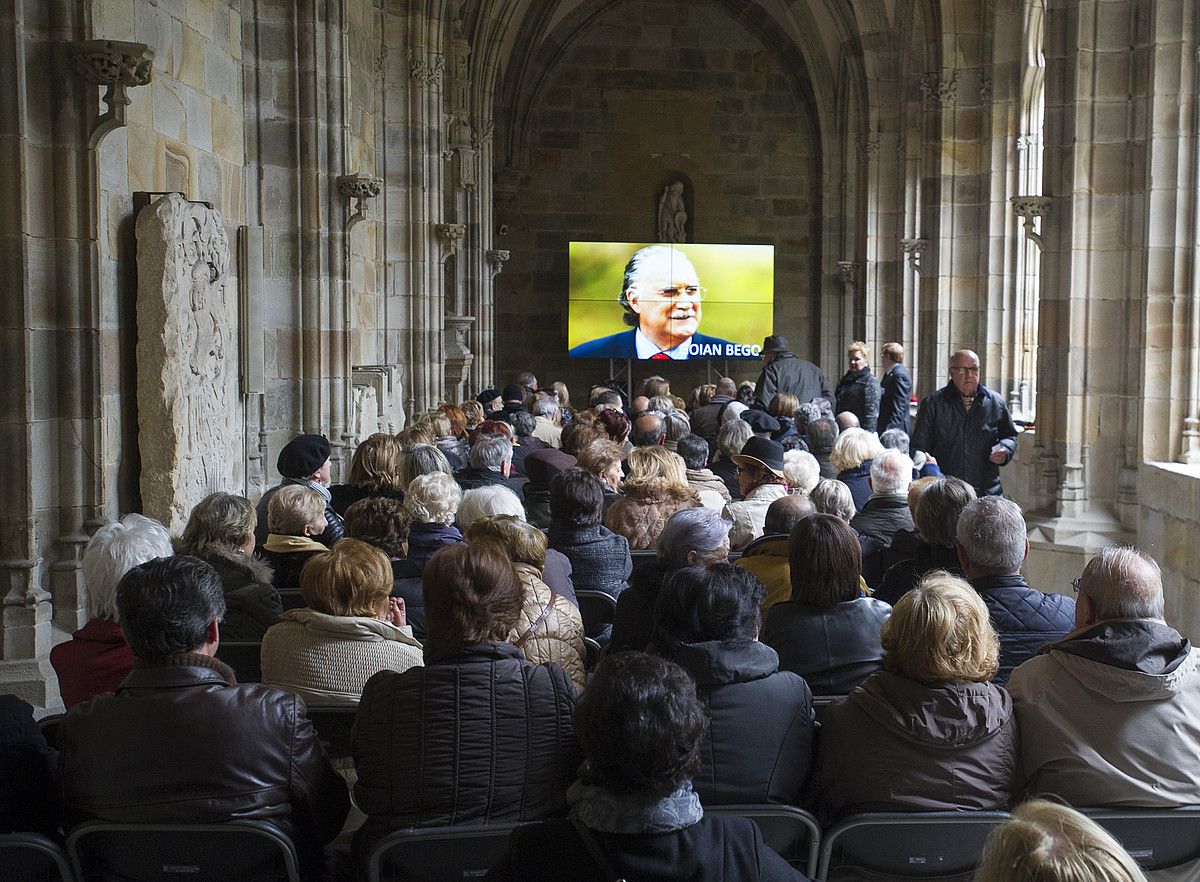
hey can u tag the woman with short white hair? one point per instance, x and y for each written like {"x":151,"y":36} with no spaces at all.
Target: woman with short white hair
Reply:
{"x":97,"y":659}
{"x":802,"y":470}
{"x":432,"y":503}
{"x":852,"y":455}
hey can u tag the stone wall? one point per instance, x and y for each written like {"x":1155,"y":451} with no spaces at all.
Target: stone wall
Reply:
{"x":647,"y":92}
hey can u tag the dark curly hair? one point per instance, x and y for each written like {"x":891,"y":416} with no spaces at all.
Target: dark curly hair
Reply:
{"x":379,"y":521}
{"x":699,"y":604}
{"x":576,"y":498}
{"x":615,"y":423}
{"x":640,"y":725}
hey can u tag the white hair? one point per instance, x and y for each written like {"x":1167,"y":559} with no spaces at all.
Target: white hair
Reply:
{"x":991,"y":533}
{"x":491,"y":452}
{"x":678,"y":425}
{"x":691,"y":529}
{"x":113,"y":551}
{"x":891,"y":472}
{"x":432,"y":499}
{"x":545,"y":406}
{"x":801,"y":470}
{"x":733,"y":436}
{"x":486,"y":502}
{"x":832,"y":497}
{"x":1123,"y":582}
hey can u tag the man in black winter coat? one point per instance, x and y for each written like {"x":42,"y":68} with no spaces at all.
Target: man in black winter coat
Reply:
{"x":897,"y":389}
{"x":784,"y":372}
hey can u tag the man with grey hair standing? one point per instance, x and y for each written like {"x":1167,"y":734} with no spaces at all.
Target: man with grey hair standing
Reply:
{"x":1110,"y":715}
{"x":992,"y":547}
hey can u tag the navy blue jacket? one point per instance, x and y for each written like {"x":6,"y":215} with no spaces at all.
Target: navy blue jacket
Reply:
{"x":624,"y":345}
{"x":893,"y":403}
{"x":961,"y":442}
{"x":1024,"y":618}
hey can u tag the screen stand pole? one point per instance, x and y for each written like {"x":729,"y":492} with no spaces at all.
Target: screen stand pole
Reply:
{"x":623,"y":375}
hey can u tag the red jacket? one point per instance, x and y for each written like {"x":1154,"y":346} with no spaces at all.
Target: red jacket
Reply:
{"x":95,"y":660}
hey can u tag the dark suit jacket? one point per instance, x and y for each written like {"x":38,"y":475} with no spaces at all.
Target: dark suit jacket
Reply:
{"x":893,"y":405}
{"x":623,"y":345}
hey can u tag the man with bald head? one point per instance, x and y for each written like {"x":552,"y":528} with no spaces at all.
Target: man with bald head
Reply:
{"x":1110,"y":714}
{"x":966,"y":428}
{"x":767,"y":556}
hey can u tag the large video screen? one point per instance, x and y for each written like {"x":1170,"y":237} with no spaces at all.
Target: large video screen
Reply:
{"x":659,"y":301}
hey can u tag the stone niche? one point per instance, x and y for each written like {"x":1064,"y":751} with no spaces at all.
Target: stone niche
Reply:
{"x":189,"y":426}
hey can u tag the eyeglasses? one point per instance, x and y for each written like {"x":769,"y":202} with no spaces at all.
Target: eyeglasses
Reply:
{"x":679,"y":292}
{"x":1075,"y":584}
{"x":965,"y":370}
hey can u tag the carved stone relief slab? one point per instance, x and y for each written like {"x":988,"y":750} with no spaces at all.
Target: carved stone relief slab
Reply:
{"x":189,"y":431}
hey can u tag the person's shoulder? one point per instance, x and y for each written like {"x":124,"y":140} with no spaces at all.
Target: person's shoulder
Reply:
{"x":619,"y":345}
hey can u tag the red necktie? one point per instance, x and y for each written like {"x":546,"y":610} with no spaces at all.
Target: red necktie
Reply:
{"x":659,"y":356}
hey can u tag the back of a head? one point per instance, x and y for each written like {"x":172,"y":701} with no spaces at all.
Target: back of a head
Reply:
{"x":113,"y":551}
{"x":422,"y":459}
{"x":527,"y":379}
{"x":294,"y":507}
{"x":1048,"y":842}
{"x":938,"y":509}
{"x":545,"y":406}
{"x":822,"y":435}
{"x":523,"y":423}
{"x":606,"y":397}
{"x":678,"y":425}
{"x":640,"y":724}
{"x":493,"y":427}
{"x":701,"y":530}
{"x":432,"y":499}
{"x":351,"y":579}
{"x":491,"y":452}
{"x":891,"y":472}
{"x":785,"y":512}
{"x":656,"y":386}
{"x":745,"y":393}
{"x":801,"y":468}
{"x":615,"y":423}
{"x":727,"y":387}
{"x":895,"y":439}
{"x":649,"y":429}
{"x":576,"y":498}
{"x":853,"y":447}
{"x":694,"y":451}
{"x":733,"y":436}
{"x":577,"y":436}
{"x":379,"y":521}
{"x":1123,"y":582}
{"x":376,"y":463}
{"x":520,"y":540}
{"x":825,"y":561}
{"x":646,"y":463}
{"x":164,"y":606}
{"x":991,"y":533}
{"x":848,"y":420}
{"x":832,"y":497}
{"x":940,"y":632}
{"x":486,"y":502}
{"x":219,"y":522}
{"x":702,"y":604}
{"x":661,"y":403}
{"x":784,"y":404}
{"x":599,"y":456}
{"x":472,"y":595}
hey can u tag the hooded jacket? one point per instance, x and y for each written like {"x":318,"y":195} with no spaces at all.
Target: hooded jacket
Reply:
{"x":251,"y":602}
{"x":642,"y":512}
{"x":758,"y":745}
{"x":895,"y":744}
{"x":95,"y":660}
{"x":550,"y":628}
{"x":286,"y":556}
{"x":1110,"y":715}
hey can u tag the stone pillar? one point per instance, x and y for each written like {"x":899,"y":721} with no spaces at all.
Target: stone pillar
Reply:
{"x":188,"y":403}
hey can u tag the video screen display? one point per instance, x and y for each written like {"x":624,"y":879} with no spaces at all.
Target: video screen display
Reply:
{"x":663,"y":301}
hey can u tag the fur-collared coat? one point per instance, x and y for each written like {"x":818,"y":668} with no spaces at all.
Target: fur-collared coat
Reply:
{"x":642,"y":512}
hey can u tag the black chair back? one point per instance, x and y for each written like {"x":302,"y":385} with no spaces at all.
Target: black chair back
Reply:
{"x":908,"y":845}
{"x":593,"y":653}
{"x":821,"y":704}
{"x":237,"y":851}
{"x":438,"y":854}
{"x":1158,"y":839}
{"x":597,"y":608}
{"x":334,"y":724}
{"x":31,"y":857}
{"x":291,"y":600}
{"x":49,"y":725}
{"x":790,"y":832}
{"x":244,"y":656}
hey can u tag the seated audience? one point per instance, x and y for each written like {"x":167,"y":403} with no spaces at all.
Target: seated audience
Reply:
{"x":349,"y":628}
{"x":802,"y":471}
{"x":649,"y":429}
{"x":761,"y":481}
{"x":578,"y":436}
{"x":27,"y":771}
{"x":472,"y":414}
{"x":617,"y":426}
{"x":491,"y":402}
{"x":634,"y":814}
{"x":692,"y":537}
{"x":706,"y":419}
{"x":604,"y":460}
{"x":491,"y":463}
{"x":852,"y":455}
{"x":524,"y":441}
{"x":547,"y":416}
{"x":220,"y":531}
{"x":381,"y":522}
{"x":1048,"y":842}
{"x":761,"y":423}
{"x":678,"y":426}
{"x":550,"y":628}
{"x":758,"y":744}
{"x":1110,"y":714}
{"x":422,"y":459}
{"x":821,"y":434}
{"x":731,"y":438}
{"x":303,"y":461}
{"x":450,"y":426}
{"x":479,"y":734}
{"x":930,"y":732}
{"x":97,"y":659}
{"x":935,"y":515}
{"x":654,"y":489}
{"x":832,"y":497}
{"x":181,"y":741}
{"x":783,"y":407}
{"x":905,"y":541}
{"x":828,"y":633}
{"x":564,"y":402}
{"x":886,"y":511}
{"x":296,"y":516}
{"x":767,"y":557}
{"x":414,"y":434}
{"x":992,"y":546}
{"x":711,"y":489}
{"x":924,"y":466}
{"x":540,"y":467}
{"x":514,"y":395}
{"x":431,"y":504}
{"x":374,"y":471}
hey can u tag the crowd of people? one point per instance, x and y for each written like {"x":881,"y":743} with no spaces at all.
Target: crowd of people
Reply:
{"x":764,"y":542}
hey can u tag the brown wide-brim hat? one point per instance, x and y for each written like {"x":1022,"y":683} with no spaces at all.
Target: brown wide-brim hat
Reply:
{"x":762,"y":452}
{"x":776,"y":343}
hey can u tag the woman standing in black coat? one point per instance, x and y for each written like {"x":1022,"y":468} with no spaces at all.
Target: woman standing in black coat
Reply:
{"x":858,"y":391}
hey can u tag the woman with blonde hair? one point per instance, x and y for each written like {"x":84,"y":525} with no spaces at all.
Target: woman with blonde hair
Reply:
{"x":349,"y":629}
{"x":852,"y":455}
{"x":374,"y":471}
{"x":550,"y":628}
{"x":1048,"y":842}
{"x":858,"y":392}
{"x":931,"y":731}
{"x":655,"y":487}
{"x":473,"y":412}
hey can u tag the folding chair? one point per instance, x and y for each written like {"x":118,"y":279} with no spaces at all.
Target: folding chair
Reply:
{"x":598,"y":608}
{"x":913,"y":845}
{"x":438,"y":854}
{"x":235,"y":851}
{"x":32,"y":857}
{"x":1158,"y":839}
{"x":792,"y":833}
{"x":244,"y":656}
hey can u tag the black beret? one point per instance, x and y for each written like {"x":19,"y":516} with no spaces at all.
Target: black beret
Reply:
{"x":761,"y":421}
{"x":487,"y":396}
{"x":513,"y":392}
{"x":303,"y":455}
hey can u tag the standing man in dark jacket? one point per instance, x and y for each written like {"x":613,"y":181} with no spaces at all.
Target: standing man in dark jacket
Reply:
{"x":896,"y":383}
{"x":784,"y":372}
{"x":706,"y":420}
{"x":992,"y":547}
{"x":967,"y":428}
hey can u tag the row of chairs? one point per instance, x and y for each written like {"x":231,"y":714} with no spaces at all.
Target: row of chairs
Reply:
{"x":896,"y":845}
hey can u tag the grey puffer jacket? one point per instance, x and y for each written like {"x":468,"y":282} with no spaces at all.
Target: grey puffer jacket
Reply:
{"x":895,"y":744}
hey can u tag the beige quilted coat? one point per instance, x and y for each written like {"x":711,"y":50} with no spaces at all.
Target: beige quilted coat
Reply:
{"x":548,"y":633}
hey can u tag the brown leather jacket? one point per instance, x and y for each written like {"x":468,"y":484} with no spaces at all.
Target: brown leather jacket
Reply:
{"x":183,"y":742}
{"x":549,"y":632}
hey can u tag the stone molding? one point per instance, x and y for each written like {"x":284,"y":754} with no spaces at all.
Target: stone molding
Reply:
{"x":849,"y":272}
{"x":450,"y":237}
{"x":1029,"y":208}
{"x":915,"y":249}
{"x":361,"y":187}
{"x":940,"y":88}
{"x":427,"y":71}
{"x":496,"y":258}
{"x":116,"y":65}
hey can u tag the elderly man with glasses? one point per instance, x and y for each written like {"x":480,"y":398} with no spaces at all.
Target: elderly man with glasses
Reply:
{"x":966,"y":427}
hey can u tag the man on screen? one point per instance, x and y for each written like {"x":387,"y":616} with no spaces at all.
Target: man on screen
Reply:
{"x":661,"y":295}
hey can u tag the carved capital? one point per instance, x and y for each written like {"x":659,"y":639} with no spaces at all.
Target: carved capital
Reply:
{"x":868,"y":145}
{"x":915,"y":249}
{"x":496,"y":258}
{"x":1029,"y":209}
{"x":426,"y":70}
{"x":940,"y":88}
{"x":117,"y":66}
{"x":985,"y":90}
{"x":360,"y":187}
{"x":450,"y":237}
{"x":849,"y":271}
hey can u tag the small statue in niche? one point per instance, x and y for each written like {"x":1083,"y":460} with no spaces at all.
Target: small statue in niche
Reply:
{"x":672,"y":215}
